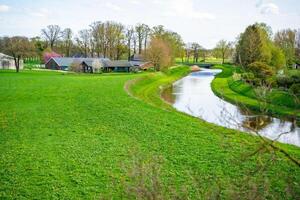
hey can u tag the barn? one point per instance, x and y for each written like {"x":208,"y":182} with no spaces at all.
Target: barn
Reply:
{"x":61,"y":63}
{"x":118,"y":66}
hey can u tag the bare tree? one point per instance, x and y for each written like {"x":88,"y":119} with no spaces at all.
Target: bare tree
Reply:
{"x":83,"y":41}
{"x":196,"y":48}
{"x":129,"y":36}
{"x":139,"y":29}
{"x":67,"y":39}
{"x":222,"y":49}
{"x":52,"y":34}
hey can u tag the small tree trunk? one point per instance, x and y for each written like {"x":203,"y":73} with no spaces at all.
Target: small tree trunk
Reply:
{"x":17,"y":63}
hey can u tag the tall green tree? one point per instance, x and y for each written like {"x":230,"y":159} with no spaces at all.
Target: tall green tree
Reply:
{"x":255,"y":45}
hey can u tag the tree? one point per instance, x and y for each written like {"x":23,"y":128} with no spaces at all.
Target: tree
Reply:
{"x":196,"y":48}
{"x":222,"y":49}
{"x":140,"y":29}
{"x":18,"y":47}
{"x":285,"y":39}
{"x":252,"y":46}
{"x":67,"y":39}
{"x":83,"y":41}
{"x":255,"y":45}
{"x":52,"y":33}
{"x":159,"y":54}
{"x":147,"y":31}
{"x":48,"y":54}
{"x":129,"y":36}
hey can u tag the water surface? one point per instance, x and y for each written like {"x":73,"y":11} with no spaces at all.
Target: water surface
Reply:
{"x":193,"y":95}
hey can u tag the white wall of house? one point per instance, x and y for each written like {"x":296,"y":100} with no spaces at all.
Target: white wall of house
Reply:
{"x":7,"y":62}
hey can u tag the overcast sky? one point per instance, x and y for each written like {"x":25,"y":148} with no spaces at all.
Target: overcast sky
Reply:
{"x":202,"y":21}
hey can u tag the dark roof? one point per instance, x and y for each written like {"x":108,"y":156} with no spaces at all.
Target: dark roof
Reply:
{"x":67,"y":61}
{"x":89,"y":61}
{"x":136,"y":57}
{"x":118,"y":63}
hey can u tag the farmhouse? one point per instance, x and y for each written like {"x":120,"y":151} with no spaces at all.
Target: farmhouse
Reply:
{"x":60,"y":63}
{"x":7,"y":62}
{"x":118,"y":66}
{"x":90,"y":65}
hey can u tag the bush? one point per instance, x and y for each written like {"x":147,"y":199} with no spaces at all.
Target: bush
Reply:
{"x":76,"y":66}
{"x":260,"y":70}
{"x":295,"y":89}
{"x":249,"y":77}
{"x":271,"y":81}
{"x":291,"y":77}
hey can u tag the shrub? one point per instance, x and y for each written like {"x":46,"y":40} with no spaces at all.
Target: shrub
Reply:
{"x":260,"y":70}
{"x":271,"y":81}
{"x":236,"y":76}
{"x":295,"y":89}
{"x":248,"y":76}
{"x":76,"y":66}
{"x":291,"y":77}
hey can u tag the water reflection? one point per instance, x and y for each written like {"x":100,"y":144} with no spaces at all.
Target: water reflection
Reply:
{"x":193,"y":95}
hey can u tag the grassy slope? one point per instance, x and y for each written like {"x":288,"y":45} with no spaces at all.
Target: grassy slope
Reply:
{"x":68,"y":136}
{"x":239,"y":93}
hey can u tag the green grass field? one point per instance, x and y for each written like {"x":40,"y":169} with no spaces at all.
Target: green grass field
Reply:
{"x":69,"y":136}
{"x":278,"y":102}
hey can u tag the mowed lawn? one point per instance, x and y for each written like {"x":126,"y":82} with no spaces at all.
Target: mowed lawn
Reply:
{"x":80,"y":137}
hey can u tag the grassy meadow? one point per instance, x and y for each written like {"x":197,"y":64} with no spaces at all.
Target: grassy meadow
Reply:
{"x":70,"y":136}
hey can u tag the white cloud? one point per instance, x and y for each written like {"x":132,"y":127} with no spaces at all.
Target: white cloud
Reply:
{"x":266,"y":8}
{"x":4,"y":8}
{"x":113,"y":6}
{"x":185,"y":8}
{"x":43,"y":12}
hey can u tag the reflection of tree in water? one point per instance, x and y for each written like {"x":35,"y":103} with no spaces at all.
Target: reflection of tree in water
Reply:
{"x":256,"y":122}
{"x":167,"y":95}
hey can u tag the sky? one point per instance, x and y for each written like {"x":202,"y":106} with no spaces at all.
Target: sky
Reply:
{"x":202,"y":21}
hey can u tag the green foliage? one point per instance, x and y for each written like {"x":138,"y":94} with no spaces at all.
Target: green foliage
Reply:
{"x":291,"y":77}
{"x":278,"y":58}
{"x":295,"y":89}
{"x":255,"y":45}
{"x":260,"y":70}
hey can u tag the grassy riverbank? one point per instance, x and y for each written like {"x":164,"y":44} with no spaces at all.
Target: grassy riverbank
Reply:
{"x":278,"y":102}
{"x":69,"y":136}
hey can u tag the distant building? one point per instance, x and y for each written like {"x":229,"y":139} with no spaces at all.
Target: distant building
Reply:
{"x":118,"y":66}
{"x":138,"y":61}
{"x":8,"y":62}
{"x":90,"y":65}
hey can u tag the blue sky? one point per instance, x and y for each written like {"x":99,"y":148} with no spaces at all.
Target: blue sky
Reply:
{"x":202,"y":21}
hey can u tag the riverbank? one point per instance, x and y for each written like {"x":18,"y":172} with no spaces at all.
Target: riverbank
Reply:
{"x":242,"y":94}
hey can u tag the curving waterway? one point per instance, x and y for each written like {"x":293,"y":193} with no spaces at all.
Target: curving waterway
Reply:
{"x":193,"y":95}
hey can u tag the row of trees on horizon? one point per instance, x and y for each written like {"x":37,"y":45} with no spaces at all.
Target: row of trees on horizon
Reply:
{"x":157,"y":44}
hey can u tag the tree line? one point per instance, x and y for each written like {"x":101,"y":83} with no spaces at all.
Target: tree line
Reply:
{"x":101,"y":39}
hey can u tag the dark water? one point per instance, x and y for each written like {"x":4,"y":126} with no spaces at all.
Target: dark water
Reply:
{"x":193,"y":95}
